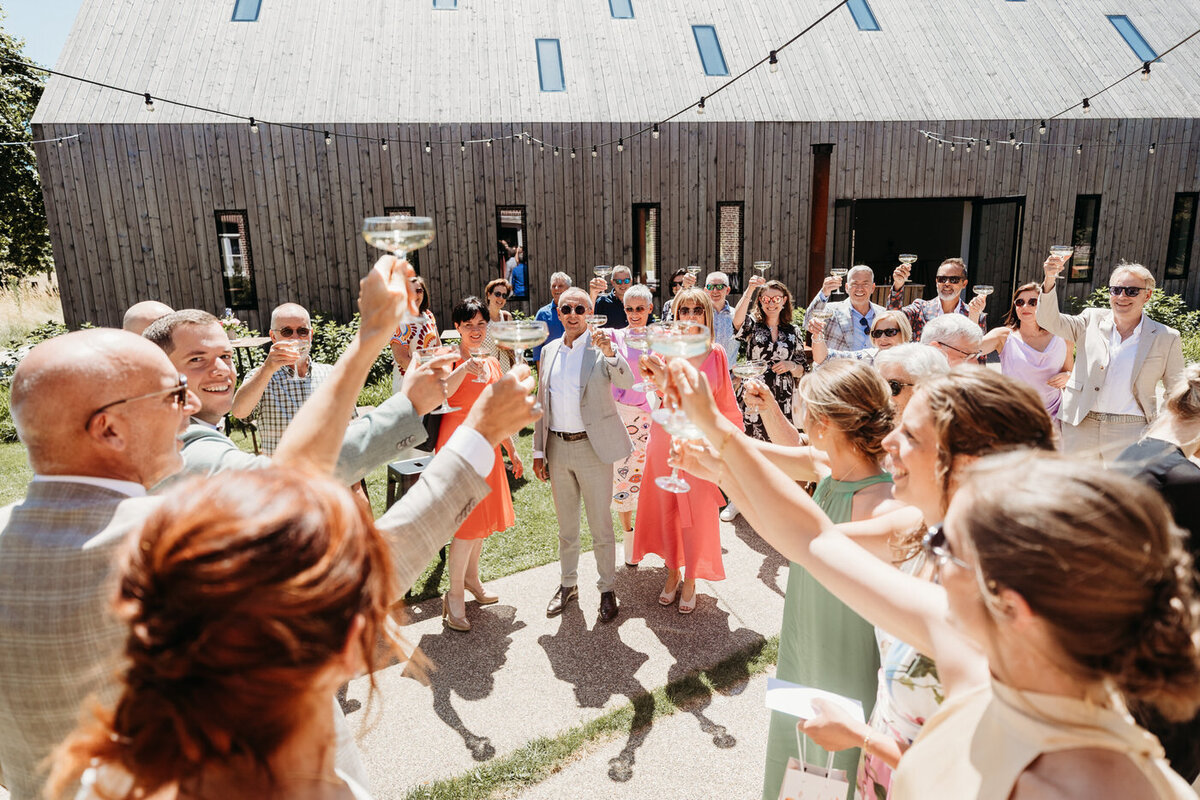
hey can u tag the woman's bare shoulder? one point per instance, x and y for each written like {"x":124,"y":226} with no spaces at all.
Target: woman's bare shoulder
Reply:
{"x":1091,"y":773}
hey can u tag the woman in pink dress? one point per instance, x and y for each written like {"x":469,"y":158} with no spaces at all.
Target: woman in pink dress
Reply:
{"x":495,"y":512}
{"x":684,"y":528}
{"x":1029,"y":352}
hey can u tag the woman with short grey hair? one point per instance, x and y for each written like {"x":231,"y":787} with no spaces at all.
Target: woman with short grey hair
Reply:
{"x":906,"y":365}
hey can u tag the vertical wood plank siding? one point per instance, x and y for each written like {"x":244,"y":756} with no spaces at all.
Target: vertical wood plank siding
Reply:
{"x":131,"y":207}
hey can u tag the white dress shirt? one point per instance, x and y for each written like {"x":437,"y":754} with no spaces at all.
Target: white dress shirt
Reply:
{"x":128,"y":488}
{"x":1116,"y":393}
{"x":566,"y":388}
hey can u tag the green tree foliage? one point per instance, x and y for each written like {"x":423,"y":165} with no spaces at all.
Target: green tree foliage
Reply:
{"x":24,"y":238}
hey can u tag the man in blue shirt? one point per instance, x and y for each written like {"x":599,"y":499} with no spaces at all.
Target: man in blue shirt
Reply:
{"x":612,"y":303}
{"x":559,"y":283}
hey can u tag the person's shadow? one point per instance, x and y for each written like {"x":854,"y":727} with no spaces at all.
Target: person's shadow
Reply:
{"x":769,"y":569}
{"x":599,"y":665}
{"x":465,"y":664}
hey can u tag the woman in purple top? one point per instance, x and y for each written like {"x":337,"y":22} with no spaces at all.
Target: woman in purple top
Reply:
{"x":635,"y":413}
{"x":1029,"y":352}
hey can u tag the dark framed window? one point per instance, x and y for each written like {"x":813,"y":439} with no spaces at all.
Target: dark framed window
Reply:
{"x":246,"y":10}
{"x":710,"y":50}
{"x":1083,"y":238}
{"x":729,"y":242}
{"x":646,"y":243}
{"x":621,"y":9}
{"x":1183,"y":229}
{"x":510,"y":247}
{"x":550,"y":66}
{"x":1133,"y":37}
{"x":413,"y":256}
{"x":237,"y":267}
{"x":445,"y":5}
{"x":864,"y":18}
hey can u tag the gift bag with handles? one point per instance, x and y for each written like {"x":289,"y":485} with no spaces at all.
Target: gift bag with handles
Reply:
{"x":803,"y":781}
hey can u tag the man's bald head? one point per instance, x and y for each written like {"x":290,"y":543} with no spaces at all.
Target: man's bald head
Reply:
{"x":140,"y":315}
{"x":60,"y":384}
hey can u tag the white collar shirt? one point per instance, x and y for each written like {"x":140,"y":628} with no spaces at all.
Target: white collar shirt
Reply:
{"x":565,"y":385}
{"x":128,"y":488}
{"x":1116,"y":393}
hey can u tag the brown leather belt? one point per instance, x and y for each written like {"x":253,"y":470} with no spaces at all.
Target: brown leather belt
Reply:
{"x":571,"y":437}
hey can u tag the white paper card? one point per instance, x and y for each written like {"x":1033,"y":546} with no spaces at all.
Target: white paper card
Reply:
{"x":796,"y":700}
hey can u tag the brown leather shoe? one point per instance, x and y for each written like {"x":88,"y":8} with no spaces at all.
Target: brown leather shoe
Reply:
{"x":558,"y":603}
{"x":608,"y":606}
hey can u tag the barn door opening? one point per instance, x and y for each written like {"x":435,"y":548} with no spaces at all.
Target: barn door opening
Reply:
{"x":995,"y":249}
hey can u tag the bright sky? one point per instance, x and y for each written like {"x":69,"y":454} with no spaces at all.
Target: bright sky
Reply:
{"x":43,"y":24}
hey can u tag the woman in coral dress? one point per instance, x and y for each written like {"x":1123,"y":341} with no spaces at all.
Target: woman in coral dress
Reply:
{"x":684,"y":528}
{"x":495,"y":512}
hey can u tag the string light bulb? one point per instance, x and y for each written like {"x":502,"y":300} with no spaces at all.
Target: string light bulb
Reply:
{"x":253,"y":125}
{"x":60,"y":141}
{"x":489,"y":142}
{"x":542,"y":147}
{"x":462,"y":147}
{"x":328,"y":138}
{"x":1087,"y":105}
{"x":1145,"y":70}
{"x":427,"y":148}
{"x":952,"y":147}
{"x":1153,"y":145}
{"x":1012,"y":138}
{"x":987,"y":144}
{"x":968,"y":147}
{"x":620,"y":145}
{"x":700,"y":108}
{"x":1042,"y":128}
{"x":383,"y":144}
{"x":149,"y":101}
{"x":572,"y":152}
{"x":654,"y":131}
{"x":1078,"y":149}
{"x":1018,"y":145}
{"x":941,"y":144}
{"x":774,"y":62}
{"x":594,"y":153}
{"x":556,"y":151}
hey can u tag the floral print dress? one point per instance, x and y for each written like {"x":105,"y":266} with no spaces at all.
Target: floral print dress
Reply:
{"x":787,"y":346}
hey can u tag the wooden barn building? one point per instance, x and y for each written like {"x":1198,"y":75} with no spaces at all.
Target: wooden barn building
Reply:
{"x":819,"y":163}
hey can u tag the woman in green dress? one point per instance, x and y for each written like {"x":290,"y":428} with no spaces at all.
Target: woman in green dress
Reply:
{"x":845,"y":410}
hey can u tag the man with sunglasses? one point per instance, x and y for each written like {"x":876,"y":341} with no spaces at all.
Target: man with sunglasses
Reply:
{"x":717,"y":286}
{"x":951,"y":281}
{"x":612,"y":303}
{"x":276,"y":389}
{"x":576,"y":443}
{"x":559,"y":283}
{"x":850,"y":327}
{"x":1121,"y":355}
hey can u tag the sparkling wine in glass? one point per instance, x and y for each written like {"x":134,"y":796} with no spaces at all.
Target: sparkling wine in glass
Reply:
{"x":426,"y":354}
{"x":479,"y":357}
{"x":983,"y":290}
{"x":908,"y":258}
{"x":694,"y":271}
{"x":749,"y":371}
{"x":678,"y":339}
{"x":518,"y":335}
{"x":1062,"y":252}
{"x":595,"y":321}
{"x":762,"y":267}
{"x":823,"y":316}
{"x":398,"y":235}
{"x":638,"y":341}
{"x":602,"y":271}
{"x":679,"y":426}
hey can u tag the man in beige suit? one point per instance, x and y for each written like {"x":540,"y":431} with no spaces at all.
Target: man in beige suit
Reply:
{"x":577,"y":442}
{"x":101,"y":413}
{"x":1121,"y":356}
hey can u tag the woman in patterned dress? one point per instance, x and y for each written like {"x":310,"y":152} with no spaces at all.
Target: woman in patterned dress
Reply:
{"x":497,"y":293}
{"x":410,"y":337}
{"x":769,"y":335}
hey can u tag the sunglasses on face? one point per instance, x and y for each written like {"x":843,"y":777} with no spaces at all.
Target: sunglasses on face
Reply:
{"x":577,"y":310}
{"x":1128,"y":291}
{"x":635,"y":309}
{"x":676,"y":285}
{"x":949,"y":279}
{"x":897,"y":387}
{"x":879,"y":333}
{"x":500,"y":293}
{"x":178,"y":394}
{"x":778,"y":298}
{"x":937,"y":549}
{"x":1031,"y":302}
{"x":286,"y":332}
{"x":957,"y":350}
{"x":690,"y":310}
{"x":622,"y":281}
{"x":715,"y":287}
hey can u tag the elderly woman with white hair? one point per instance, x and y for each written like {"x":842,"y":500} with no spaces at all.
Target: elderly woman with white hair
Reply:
{"x":1121,"y":355}
{"x":956,"y":336}
{"x":906,"y":365}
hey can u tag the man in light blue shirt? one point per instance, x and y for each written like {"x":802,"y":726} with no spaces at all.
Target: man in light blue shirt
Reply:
{"x":850,"y":327}
{"x":717,"y":286}
{"x":559,"y":283}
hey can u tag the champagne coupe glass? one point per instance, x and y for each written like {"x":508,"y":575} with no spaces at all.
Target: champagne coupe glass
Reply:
{"x":637,"y":340}
{"x":677,"y":340}
{"x":983,"y":290}
{"x":840,"y":274}
{"x":749,"y":371}
{"x":595,"y":321}
{"x":602,"y":271}
{"x":478,"y":354}
{"x":399,"y":235}
{"x":518,"y":335}
{"x":762,"y":267}
{"x":823,"y":316}
{"x":694,"y":271}
{"x":909,"y":259}
{"x":1064,"y":252}
{"x":427,"y":354}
